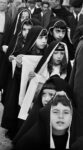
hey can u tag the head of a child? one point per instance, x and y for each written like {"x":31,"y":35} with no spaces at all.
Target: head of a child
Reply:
{"x":25,"y":14}
{"x":59,"y":30}
{"x":26,"y":26}
{"x":41,"y":40}
{"x":48,"y":92}
{"x":58,"y":58}
{"x":61,"y":113}
{"x":58,"y":54}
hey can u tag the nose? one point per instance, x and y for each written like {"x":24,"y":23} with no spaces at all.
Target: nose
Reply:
{"x":61,"y":34}
{"x":59,"y":55}
{"x":61,"y":116}
{"x":47,"y":98}
{"x":44,"y":40}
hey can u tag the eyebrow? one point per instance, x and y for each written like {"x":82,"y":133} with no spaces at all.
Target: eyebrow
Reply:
{"x":59,"y":109}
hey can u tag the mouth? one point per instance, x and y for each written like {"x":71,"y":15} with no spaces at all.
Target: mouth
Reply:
{"x":60,"y":123}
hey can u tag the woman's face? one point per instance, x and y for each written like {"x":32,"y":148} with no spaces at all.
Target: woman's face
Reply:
{"x":25,"y":30}
{"x":41,"y":42}
{"x":59,"y":34}
{"x":61,"y":117}
{"x":24,"y":15}
{"x":47,"y":95}
{"x":58,"y":57}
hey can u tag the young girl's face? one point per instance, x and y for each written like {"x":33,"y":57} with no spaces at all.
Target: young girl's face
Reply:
{"x":59,"y":33}
{"x":24,"y":15}
{"x":61,"y":117}
{"x":58,"y":57}
{"x":25,"y":30}
{"x":41,"y":42}
{"x":47,"y":95}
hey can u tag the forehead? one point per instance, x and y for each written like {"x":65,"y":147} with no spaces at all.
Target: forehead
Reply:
{"x":59,"y":52}
{"x":59,"y":29}
{"x":25,"y":26}
{"x":25,"y":13}
{"x":60,"y":106}
{"x":49,"y":90}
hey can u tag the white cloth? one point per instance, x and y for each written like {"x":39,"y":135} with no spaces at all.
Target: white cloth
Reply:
{"x":29,"y":63}
{"x":27,"y":101}
{"x":13,"y":66}
{"x":2,"y":21}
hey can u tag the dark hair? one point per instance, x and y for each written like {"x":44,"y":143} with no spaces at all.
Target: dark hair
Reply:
{"x":63,"y":65}
{"x":43,"y":32}
{"x":61,"y":99}
{"x":60,"y":24}
{"x":27,"y":22}
{"x":45,"y":2}
{"x":61,"y":1}
{"x":24,"y":10}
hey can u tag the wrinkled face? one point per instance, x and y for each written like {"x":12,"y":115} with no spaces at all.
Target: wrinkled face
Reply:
{"x":25,"y":30}
{"x":61,"y":117}
{"x":24,"y":15}
{"x":58,"y":57}
{"x":3,"y":5}
{"x":41,"y":42}
{"x":59,"y":34}
{"x":47,"y":95}
{"x":54,"y":3}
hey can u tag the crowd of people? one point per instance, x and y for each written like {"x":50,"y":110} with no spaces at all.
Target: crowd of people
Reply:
{"x":41,"y":73}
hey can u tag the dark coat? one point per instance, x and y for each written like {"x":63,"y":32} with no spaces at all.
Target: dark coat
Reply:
{"x":59,"y":84}
{"x":62,"y":13}
{"x":76,"y":81}
{"x":46,"y":18}
{"x":39,"y":135}
{"x":73,"y":24}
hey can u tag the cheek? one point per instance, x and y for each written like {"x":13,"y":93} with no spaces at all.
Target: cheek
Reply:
{"x":68,"y":120}
{"x":62,"y":56}
{"x":63,"y":35}
{"x":54,"y":58}
{"x":53,"y":119}
{"x":55,"y":35}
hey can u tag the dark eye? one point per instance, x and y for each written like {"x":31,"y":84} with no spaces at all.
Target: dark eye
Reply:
{"x":66,"y":112}
{"x":57,"y":31}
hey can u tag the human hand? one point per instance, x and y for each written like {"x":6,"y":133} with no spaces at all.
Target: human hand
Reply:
{"x":11,"y":57}
{"x":19,"y":60}
{"x":31,"y":75}
{"x":4,"y":48}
